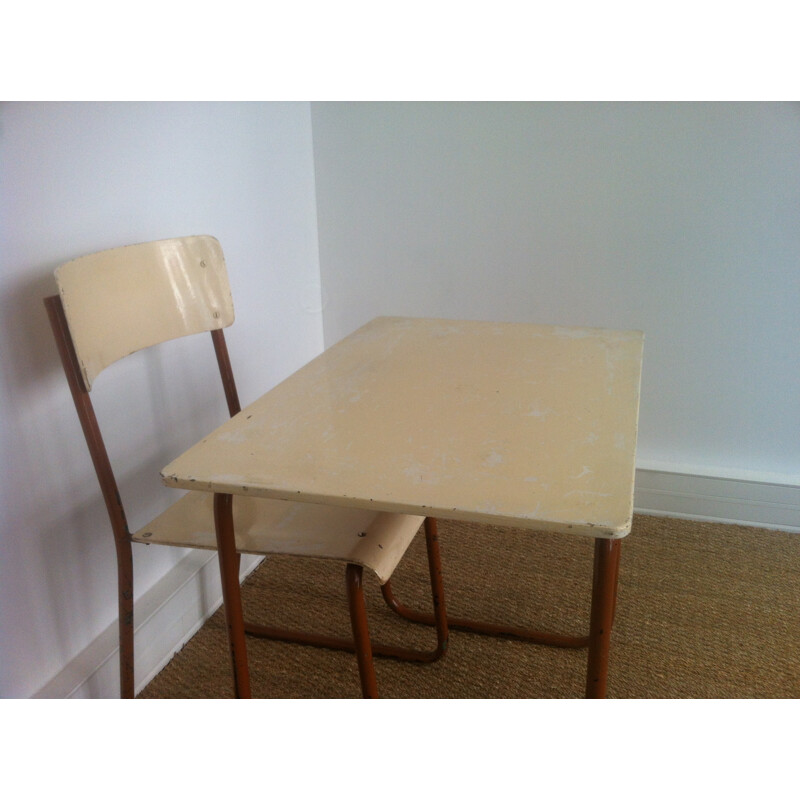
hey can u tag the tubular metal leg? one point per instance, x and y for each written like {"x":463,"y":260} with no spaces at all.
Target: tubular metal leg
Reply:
{"x":358,"y":620}
{"x":604,"y":594}
{"x":437,"y":587}
{"x":231,"y":593}
{"x":439,"y":618}
{"x":474,"y":626}
{"x":126,"y":659}
{"x":604,"y":602}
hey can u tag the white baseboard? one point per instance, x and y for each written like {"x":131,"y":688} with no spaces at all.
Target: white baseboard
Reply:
{"x":170,"y":613}
{"x":741,"y":502}
{"x":165,"y":618}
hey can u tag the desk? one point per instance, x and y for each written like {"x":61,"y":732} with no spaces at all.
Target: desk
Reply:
{"x":520,"y":425}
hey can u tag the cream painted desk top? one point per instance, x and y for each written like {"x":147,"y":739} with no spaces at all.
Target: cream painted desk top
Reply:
{"x":513,"y":424}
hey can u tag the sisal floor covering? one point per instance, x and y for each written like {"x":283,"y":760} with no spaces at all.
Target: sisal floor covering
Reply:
{"x":704,"y":611}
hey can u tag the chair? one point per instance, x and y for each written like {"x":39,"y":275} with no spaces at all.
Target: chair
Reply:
{"x":119,"y":301}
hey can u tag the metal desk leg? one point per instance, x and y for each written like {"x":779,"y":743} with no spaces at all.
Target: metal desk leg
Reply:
{"x":231,"y":592}
{"x":604,"y":595}
{"x":358,"y":619}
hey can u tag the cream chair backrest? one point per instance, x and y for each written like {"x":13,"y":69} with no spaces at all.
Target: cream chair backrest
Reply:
{"x":123,"y":300}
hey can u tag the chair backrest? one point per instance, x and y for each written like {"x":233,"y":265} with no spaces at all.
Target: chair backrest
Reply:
{"x":126,"y":299}
{"x":111,"y":304}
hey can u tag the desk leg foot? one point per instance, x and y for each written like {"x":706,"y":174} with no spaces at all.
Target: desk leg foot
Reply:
{"x":231,"y":592}
{"x":604,"y":597}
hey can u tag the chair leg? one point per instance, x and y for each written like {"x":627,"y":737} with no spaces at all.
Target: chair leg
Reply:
{"x":231,"y":592}
{"x":125,"y":591}
{"x":358,"y":619}
{"x":604,"y":594}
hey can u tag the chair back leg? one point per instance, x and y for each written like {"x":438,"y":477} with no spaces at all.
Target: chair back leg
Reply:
{"x":125,"y":590}
{"x":108,"y":486}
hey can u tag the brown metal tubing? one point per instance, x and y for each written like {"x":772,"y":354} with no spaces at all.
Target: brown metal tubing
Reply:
{"x":615,"y":582}
{"x":604,"y":591}
{"x":339,"y":643}
{"x":484,"y":628}
{"x":108,"y":487}
{"x":358,"y":620}
{"x":231,"y":594}
{"x":226,"y":372}
{"x":437,"y":587}
{"x":463,"y":624}
{"x":228,"y":385}
{"x":331,"y":642}
{"x":388,"y":651}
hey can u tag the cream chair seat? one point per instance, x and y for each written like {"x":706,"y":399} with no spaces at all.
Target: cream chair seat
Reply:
{"x":376,"y":541}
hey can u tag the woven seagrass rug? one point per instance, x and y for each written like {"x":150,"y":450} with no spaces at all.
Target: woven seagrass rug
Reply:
{"x":704,"y":610}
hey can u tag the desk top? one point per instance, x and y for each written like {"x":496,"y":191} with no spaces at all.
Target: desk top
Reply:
{"x":512,"y":424}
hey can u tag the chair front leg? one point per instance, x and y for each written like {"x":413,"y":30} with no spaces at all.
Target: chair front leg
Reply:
{"x":358,"y":620}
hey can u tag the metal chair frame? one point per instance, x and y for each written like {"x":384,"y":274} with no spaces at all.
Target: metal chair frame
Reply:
{"x":360,"y":643}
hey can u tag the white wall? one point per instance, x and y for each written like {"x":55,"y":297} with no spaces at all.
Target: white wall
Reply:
{"x":77,"y":178}
{"x":677,"y":219}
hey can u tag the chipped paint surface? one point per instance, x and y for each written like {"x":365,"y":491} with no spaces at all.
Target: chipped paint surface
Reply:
{"x":525,"y":425}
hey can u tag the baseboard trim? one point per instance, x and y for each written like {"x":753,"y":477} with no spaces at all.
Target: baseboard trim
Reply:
{"x":165,"y":618}
{"x":728,"y":500}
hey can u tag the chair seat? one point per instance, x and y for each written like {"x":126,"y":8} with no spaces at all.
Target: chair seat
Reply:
{"x":375,"y":540}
